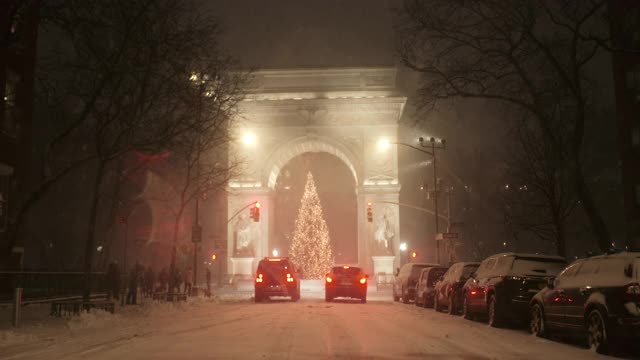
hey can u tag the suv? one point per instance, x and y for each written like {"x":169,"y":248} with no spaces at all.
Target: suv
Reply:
{"x":276,"y":277}
{"x":346,"y":281}
{"x":426,"y":282}
{"x":406,"y":279}
{"x":597,"y":297}
{"x":448,"y":291}
{"x":504,"y":284}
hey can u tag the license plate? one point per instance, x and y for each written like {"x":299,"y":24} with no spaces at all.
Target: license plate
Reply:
{"x":345,"y":283}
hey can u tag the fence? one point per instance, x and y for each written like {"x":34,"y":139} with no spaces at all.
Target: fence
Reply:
{"x":45,"y":285}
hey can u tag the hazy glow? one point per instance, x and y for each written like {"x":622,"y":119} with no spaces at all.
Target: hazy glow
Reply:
{"x":275,"y":252}
{"x":248,"y":139}
{"x":403,"y":246}
{"x":384,"y":144}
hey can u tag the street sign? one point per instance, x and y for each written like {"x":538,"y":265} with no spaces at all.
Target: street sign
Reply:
{"x":196,"y":234}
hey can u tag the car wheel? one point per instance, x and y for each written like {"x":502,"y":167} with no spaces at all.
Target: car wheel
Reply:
{"x":395,"y":295}
{"x":597,"y":332}
{"x":405,"y":296}
{"x":363,"y":300}
{"x":451,"y":309}
{"x":537,"y":324}
{"x":327,"y":298}
{"x":296,"y":297}
{"x":258,"y":298}
{"x":436,"y":303}
{"x":416,"y":302}
{"x":494,"y":314}
{"x":425,"y":304}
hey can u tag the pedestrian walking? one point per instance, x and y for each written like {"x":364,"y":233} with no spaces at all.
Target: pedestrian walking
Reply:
{"x":134,"y":277}
{"x":163,"y":279}
{"x":188,"y":282}
{"x":149,"y":281}
{"x":208,"y":283}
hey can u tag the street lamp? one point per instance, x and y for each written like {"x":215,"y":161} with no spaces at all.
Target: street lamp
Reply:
{"x":403,"y":250}
{"x":275,"y":252}
{"x":431,"y":144}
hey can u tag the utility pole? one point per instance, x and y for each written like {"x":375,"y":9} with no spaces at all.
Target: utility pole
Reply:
{"x":435,"y":145}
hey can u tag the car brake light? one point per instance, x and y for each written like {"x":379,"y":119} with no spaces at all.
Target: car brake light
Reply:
{"x":363,"y":281}
{"x":329,"y":279}
{"x":289,"y":278}
{"x":346,"y":267}
{"x":274,"y":259}
{"x":259,"y":278}
{"x":631,"y":293}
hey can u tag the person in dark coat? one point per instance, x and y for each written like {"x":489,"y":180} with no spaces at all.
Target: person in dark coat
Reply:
{"x":134,"y":278}
{"x":163,"y":279}
{"x":208,"y":282}
{"x":113,"y":281}
{"x":149,"y":281}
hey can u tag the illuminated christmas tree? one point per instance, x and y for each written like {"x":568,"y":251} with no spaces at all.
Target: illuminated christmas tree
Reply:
{"x":310,"y":247}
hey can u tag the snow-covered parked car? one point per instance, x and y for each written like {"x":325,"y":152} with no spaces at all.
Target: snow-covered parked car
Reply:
{"x":426,"y":283}
{"x":448,"y":291}
{"x":404,"y":285}
{"x":503,"y":285}
{"x":597,"y":296}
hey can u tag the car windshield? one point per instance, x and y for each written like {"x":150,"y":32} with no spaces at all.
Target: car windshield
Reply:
{"x":537,"y":266}
{"x":416,"y":269}
{"x":467,"y":270}
{"x":351,"y":271}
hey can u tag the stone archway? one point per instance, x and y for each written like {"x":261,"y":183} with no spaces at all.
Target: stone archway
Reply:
{"x":344,"y":112}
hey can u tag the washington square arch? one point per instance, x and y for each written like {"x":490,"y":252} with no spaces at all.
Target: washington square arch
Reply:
{"x":344,"y":112}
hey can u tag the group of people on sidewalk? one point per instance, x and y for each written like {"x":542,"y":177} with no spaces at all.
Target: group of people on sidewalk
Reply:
{"x":144,"y":279}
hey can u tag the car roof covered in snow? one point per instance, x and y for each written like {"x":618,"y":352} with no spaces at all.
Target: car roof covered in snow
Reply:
{"x":622,"y":254}
{"x":528,"y":255}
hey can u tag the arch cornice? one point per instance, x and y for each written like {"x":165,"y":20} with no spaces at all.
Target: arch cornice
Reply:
{"x":308,"y":143}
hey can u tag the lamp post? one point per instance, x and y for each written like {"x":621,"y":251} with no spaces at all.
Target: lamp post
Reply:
{"x":431,"y":144}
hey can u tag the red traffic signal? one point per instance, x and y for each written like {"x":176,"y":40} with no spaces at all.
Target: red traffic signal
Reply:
{"x":254,"y":212}
{"x":370,"y":211}
{"x":414,"y":254}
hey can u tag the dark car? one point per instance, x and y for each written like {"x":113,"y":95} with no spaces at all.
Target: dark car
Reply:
{"x":598,"y":297}
{"x":406,"y":279}
{"x":346,"y":281}
{"x":276,"y":277}
{"x":448,"y":291}
{"x":503,"y":285}
{"x":426,"y":283}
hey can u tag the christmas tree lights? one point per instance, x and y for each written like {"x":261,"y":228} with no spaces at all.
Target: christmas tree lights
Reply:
{"x":310,"y":248}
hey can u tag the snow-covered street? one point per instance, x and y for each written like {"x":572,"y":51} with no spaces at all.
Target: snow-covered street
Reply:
{"x":234,"y":327}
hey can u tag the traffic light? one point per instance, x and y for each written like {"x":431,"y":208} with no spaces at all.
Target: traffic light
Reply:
{"x":369,"y":212}
{"x":254,"y":213}
{"x":414,"y":254}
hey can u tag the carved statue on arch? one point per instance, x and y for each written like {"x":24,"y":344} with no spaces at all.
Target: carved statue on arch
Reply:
{"x":385,"y":232}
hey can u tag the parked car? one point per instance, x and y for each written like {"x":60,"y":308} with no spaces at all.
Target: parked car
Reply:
{"x":346,"y":281}
{"x":426,"y":283}
{"x":448,"y":290}
{"x":276,"y":277}
{"x":406,"y":279}
{"x":503,"y":285}
{"x":597,"y":296}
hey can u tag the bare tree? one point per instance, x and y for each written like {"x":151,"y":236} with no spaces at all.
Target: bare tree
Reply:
{"x":529,"y":55}
{"x":128,"y":73}
{"x":538,"y":198}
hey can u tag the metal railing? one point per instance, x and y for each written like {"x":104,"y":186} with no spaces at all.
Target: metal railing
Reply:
{"x":45,"y":285}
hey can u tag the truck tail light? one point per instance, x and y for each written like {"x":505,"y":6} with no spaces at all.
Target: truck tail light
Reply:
{"x":363,"y":280}
{"x":329,"y":279}
{"x":289,"y":278}
{"x":259,"y":278}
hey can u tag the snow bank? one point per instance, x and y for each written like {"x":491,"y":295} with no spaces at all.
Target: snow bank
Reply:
{"x":12,"y":337}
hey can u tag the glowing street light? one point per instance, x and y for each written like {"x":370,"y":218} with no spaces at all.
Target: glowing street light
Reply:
{"x":384,"y":144}
{"x":403,"y":246}
{"x":275,"y":252}
{"x":249,"y":139}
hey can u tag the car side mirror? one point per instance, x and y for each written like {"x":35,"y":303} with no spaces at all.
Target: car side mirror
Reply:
{"x":551,"y":282}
